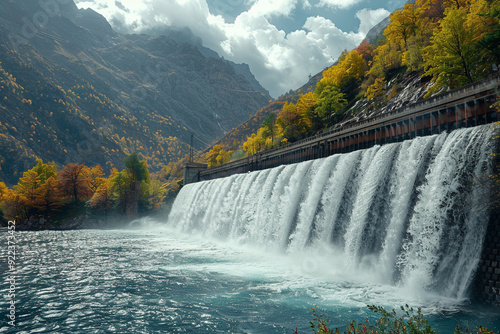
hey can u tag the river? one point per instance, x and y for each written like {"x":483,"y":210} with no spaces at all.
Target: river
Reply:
{"x":154,"y":279}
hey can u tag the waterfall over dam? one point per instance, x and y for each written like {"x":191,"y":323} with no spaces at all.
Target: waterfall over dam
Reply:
{"x":415,"y":212}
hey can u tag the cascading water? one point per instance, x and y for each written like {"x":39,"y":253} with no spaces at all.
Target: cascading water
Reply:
{"x":412,"y":212}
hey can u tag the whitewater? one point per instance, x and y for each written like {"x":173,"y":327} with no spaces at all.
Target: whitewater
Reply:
{"x":412,"y":214}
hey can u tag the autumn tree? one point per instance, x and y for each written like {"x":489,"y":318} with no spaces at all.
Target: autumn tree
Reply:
{"x":75,"y":181}
{"x":365,"y":49}
{"x":329,"y":102}
{"x":464,"y":4}
{"x":28,"y":195}
{"x":254,"y":144}
{"x":404,"y":24}
{"x":28,"y":188}
{"x":386,"y":57}
{"x":49,"y":199}
{"x":103,"y":199}
{"x":96,"y":178}
{"x":15,"y":205}
{"x":434,"y":9}
{"x":29,"y":184}
{"x":410,"y":31}
{"x":453,"y":58}
{"x":45,"y":170}
{"x":290,"y":123}
{"x":217,"y":156}
{"x":3,"y":191}
{"x":156,"y":193}
{"x":377,"y":89}
{"x":305,"y":109}
{"x":347,"y":74}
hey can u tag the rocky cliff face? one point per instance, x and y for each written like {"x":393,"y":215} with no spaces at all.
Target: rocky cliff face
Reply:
{"x":74,"y":90}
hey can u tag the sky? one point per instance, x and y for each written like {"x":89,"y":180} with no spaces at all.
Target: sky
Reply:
{"x":283,"y":41}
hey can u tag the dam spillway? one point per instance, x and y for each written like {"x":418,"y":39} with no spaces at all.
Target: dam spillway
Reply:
{"x":414,"y":213}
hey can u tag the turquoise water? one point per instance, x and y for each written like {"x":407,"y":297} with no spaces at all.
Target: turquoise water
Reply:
{"x":157,"y":280}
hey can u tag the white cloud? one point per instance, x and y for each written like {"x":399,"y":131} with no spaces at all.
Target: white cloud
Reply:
{"x":283,"y":61}
{"x":342,"y":4}
{"x":272,"y":7}
{"x":280,"y":61}
{"x":370,"y":18}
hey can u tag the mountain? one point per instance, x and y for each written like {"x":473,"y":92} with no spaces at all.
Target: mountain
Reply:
{"x":74,"y":90}
{"x":186,"y":35}
{"x":377,"y":32}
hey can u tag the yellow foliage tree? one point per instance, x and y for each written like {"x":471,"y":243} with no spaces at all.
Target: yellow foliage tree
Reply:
{"x":3,"y":191}
{"x":305,"y":108}
{"x":350,"y":68}
{"x":218,"y":155}
{"x":377,"y":89}
{"x":103,"y":197}
{"x":292,"y":124}
{"x":28,"y":187}
{"x":465,"y":4}
{"x":156,"y":193}
{"x":453,"y":58}
{"x":96,"y":174}
{"x":49,"y":198}
{"x":404,"y":24}
{"x":255,"y":143}
{"x":15,"y":205}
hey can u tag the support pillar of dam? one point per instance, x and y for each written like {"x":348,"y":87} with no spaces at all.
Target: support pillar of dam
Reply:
{"x":192,"y":172}
{"x":487,"y":283}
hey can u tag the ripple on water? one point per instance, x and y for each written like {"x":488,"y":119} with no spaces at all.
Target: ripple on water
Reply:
{"x":144,"y":282}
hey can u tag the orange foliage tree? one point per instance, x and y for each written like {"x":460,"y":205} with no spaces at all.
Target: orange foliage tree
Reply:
{"x":49,"y":198}
{"x":75,"y":181}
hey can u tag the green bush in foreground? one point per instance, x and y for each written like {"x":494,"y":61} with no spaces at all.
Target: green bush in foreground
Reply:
{"x":409,"y":321}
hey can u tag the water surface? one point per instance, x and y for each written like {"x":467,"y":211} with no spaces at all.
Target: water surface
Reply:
{"x":157,"y":280}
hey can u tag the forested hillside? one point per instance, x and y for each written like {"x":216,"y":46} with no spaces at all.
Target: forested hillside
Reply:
{"x":72,"y":90}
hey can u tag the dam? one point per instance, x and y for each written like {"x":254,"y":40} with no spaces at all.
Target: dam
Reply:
{"x":408,"y":192}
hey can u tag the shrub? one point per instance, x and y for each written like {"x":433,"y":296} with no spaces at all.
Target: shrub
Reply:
{"x":408,"y":321}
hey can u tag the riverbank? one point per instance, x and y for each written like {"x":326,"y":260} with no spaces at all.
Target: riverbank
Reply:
{"x":84,"y":220}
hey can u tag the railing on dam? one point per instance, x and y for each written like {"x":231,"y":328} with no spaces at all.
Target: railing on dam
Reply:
{"x":463,"y":107}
